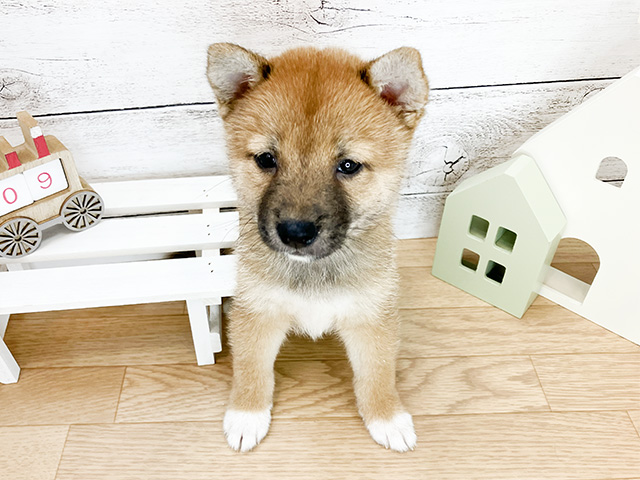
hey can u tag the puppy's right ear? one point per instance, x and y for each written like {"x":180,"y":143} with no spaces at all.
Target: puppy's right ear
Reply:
{"x":399,"y":80}
{"x":233,"y":71}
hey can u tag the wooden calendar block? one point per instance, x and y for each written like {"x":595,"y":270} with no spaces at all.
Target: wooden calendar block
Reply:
{"x":46,"y":179}
{"x":14,"y":194}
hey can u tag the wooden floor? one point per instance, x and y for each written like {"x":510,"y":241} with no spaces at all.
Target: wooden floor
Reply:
{"x":114,"y":393}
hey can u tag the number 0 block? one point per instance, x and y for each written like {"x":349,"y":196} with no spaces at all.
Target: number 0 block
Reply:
{"x":46,"y":179}
{"x":14,"y":194}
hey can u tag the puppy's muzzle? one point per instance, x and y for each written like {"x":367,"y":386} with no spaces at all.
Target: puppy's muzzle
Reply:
{"x":297,"y":233}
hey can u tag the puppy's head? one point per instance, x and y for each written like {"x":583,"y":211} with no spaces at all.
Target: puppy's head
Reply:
{"x":317,"y":140}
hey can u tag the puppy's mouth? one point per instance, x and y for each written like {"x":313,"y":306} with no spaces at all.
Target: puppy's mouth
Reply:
{"x":300,"y":257}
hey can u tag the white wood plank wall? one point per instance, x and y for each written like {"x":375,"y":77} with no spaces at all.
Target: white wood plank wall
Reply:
{"x":123,"y":84}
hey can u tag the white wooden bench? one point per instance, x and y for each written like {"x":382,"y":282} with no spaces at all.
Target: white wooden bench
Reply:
{"x":126,"y":259}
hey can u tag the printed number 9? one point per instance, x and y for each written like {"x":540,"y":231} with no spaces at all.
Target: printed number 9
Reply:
{"x":44,"y":178}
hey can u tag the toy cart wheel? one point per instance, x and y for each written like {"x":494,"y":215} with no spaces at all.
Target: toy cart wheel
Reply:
{"x":19,"y":237}
{"x":82,"y":210}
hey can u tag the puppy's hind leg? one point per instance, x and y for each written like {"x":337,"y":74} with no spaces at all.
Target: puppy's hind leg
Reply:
{"x":255,"y":342}
{"x":372,"y":350}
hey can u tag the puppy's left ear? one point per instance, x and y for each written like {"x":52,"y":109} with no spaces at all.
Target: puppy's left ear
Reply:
{"x":232,"y":72}
{"x":398,"y":78}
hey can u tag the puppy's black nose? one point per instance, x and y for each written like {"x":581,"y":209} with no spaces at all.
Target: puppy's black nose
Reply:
{"x":296,"y":233}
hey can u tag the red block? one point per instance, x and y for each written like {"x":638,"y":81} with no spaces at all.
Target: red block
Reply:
{"x":41,"y":146}
{"x":13,"y":160}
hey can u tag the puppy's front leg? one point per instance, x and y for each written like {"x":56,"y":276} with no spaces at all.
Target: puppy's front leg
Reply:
{"x":372,"y":350}
{"x":255,"y":342}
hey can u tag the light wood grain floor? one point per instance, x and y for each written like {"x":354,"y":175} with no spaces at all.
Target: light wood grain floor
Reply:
{"x":114,"y":393}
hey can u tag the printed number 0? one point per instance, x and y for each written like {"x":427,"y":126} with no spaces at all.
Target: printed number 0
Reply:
{"x":44,"y":177}
{"x":15,"y":195}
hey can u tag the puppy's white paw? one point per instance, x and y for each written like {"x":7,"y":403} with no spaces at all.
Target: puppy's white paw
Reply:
{"x":244,"y":430}
{"x":397,"y":434}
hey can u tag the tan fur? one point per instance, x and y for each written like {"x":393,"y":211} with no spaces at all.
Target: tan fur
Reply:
{"x":314,"y":107}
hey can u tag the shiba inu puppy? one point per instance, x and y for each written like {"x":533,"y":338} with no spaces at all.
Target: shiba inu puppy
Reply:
{"x":317,"y":141}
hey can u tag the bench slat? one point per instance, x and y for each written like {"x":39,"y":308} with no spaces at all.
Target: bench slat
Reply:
{"x":121,"y":237}
{"x":117,"y":284}
{"x":166,"y":195}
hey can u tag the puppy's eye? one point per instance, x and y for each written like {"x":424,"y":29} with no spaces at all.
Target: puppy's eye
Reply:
{"x":349,"y":167}
{"x":266,"y":161}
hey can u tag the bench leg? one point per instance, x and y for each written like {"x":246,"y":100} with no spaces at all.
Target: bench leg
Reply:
{"x":215,"y":322}
{"x":199,"y":320}
{"x":4,"y":321}
{"x":9,"y":369}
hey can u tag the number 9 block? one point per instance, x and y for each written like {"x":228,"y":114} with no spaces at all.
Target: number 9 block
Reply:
{"x":45,"y":179}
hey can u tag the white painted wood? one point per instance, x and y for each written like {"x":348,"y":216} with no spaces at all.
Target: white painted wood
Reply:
{"x":569,"y":153}
{"x":199,"y":321}
{"x":448,"y":144}
{"x":15,"y":266}
{"x":4,"y":321}
{"x":214,"y":252}
{"x":119,"y":237}
{"x":92,"y":261}
{"x":419,"y":216}
{"x":9,"y":369}
{"x":564,"y":289}
{"x":463,"y":133}
{"x":166,"y":195}
{"x":157,"y":143}
{"x":118,"y":284}
{"x":215,"y":327}
{"x":121,"y":54}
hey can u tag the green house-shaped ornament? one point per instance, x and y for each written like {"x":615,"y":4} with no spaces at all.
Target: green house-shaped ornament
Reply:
{"x":499,"y":232}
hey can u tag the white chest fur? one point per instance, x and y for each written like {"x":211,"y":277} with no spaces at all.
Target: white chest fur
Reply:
{"x":316,"y":315}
